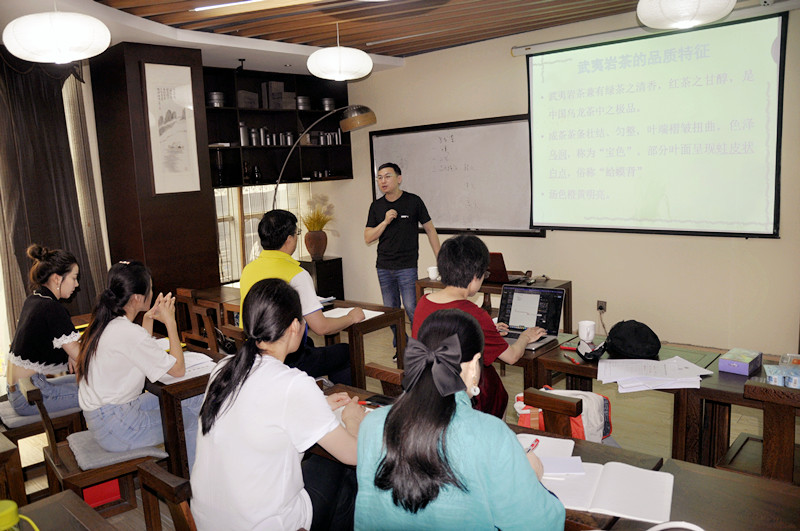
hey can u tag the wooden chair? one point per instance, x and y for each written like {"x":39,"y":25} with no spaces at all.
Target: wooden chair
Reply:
{"x":175,"y":491}
{"x":12,"y":484}
{"x":196,"y":323}
{"x":557,"y":410}
{"x":17,"y":427}
{"x":64,"y":472}
{"x":391,"y":379}
{"x":775,"y":455}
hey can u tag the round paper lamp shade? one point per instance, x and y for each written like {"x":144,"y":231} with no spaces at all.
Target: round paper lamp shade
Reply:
{"x":56,"y":37}
{"x":339,"y":63}
{"x":682,"y":14}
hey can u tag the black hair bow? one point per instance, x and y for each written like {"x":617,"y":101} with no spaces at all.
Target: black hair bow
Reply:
{"x":445,"y":361}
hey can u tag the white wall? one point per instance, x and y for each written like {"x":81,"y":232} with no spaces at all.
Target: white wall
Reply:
{"x":721,"y":292}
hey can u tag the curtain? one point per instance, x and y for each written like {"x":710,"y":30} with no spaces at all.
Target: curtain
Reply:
{"x":97,"y":263}
{"x":37,"y":184}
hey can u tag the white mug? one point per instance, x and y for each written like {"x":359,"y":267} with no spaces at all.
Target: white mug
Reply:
{"x":586,"y":330}
{"x":433,"y":273}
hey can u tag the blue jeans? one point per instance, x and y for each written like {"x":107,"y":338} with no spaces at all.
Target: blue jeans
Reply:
{"x":58,"y":393}
{"x":121,"y":427}
{"x":397,"y":283}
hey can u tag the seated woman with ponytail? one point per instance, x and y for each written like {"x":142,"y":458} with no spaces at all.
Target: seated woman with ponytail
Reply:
{"x":45,"y":341}
{"x":258,"y":418}
{"x":431,"y":461}
{"x":117,"y":355}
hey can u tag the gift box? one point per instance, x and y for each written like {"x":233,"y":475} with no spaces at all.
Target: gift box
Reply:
{"x":740,"y":361}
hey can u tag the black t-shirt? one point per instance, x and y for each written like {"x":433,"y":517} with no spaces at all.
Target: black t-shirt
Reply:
{"x":44,"y":326}
{"x":398,"y":246}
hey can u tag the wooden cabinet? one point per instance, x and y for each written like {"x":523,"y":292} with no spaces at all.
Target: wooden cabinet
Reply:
{"x":173,"y":233}
{"x":326,"y":274}
{"x":325,"y":155}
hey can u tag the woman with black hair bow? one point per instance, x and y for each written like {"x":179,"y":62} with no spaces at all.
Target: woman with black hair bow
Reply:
{"x":433,"y":462}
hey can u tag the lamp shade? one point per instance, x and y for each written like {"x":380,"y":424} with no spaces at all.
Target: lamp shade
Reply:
{"x":357,"y":116}
{"x":339,"y":63}
{"x":56,"y":37}
{"x":682,"y":14}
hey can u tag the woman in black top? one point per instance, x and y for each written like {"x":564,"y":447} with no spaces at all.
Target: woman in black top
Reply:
{"x":46,"y":341}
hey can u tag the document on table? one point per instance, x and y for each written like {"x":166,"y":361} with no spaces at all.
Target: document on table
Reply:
{"x":643,"y":375}
{"x":616,"y":489}
{"x":555,"y":454}
{"x":341,"y":312}
{"x":197,"y":364}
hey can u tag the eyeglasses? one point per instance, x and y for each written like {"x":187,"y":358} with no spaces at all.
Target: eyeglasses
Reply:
{"x":383,"y":177}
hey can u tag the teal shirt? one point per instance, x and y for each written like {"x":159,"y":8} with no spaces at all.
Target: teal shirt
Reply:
{"x":503,"y":490}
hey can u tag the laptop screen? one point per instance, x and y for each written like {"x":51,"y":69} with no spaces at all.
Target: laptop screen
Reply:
{"x":526,"y":306}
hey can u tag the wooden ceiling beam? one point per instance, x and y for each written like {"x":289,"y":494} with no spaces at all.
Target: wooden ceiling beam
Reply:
{"x":359,"y":34}
{"x":472,"y":9}
{"x":438,"y":23}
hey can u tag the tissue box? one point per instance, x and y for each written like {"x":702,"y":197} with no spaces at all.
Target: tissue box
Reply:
{"x":740,"y":361}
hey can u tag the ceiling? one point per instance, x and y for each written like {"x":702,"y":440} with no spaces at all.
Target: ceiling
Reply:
{"x":398,"y":28}
{"x":280,"y":38}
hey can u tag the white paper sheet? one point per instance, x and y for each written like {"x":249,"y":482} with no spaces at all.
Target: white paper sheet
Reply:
{"x":341,"y":312}
{"x":197,"y":364}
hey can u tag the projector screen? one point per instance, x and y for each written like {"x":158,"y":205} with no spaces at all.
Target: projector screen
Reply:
{"x":676,"y":133}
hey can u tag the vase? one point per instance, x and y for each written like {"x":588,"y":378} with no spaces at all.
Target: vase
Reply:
{"x":316,"y":243}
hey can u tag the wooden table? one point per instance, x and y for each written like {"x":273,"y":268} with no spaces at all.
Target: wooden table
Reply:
{"x":687,"y":420}
{"x":529,"y":364}
{"x":490,"y":288}
{"x":62,"y":511}
{"x":588,"y":451}
{"x":713,"y":401}
{"x":228,"y":301}
{"x":356,"y":332}
{"x":169,"y":399}
{"x":719,"y":499}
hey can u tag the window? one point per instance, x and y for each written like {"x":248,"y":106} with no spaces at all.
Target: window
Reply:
{"x":239,"y":210}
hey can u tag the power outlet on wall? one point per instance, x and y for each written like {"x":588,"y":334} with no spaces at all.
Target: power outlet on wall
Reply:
{"x":601,"y":306}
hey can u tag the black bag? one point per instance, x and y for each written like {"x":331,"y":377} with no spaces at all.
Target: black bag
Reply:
{"x":632,"y":340}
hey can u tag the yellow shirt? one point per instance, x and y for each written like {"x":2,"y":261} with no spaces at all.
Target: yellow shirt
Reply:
{"x":277,"y":264}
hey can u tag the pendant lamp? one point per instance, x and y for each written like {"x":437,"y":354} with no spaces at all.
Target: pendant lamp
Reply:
{"x":682,"y":14}
{"x":56,"y":37}
{"x":339,"y":63}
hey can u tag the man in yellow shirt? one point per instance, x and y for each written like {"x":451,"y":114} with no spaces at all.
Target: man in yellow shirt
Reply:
{"x":279,"y":234}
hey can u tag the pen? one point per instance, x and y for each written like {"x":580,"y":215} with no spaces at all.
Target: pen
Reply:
{"x":368,"y":403}
{"x":570,"y":358}
{"x":533,"y":446}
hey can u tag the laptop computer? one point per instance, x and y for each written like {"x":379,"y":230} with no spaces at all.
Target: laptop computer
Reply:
{"x":523,"y":307}
{"x":498,"y":273}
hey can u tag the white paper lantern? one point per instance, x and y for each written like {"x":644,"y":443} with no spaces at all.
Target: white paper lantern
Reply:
{"x":56,"y":37}
{"x":339,"y":63}
{"x":682,"y":14}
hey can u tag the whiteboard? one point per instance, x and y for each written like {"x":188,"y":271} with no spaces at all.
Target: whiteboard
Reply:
{"x":472,"y":175}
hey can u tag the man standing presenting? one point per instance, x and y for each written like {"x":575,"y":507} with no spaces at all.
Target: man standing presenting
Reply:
{"x":279,"y":234}
{"x":393,"y":220}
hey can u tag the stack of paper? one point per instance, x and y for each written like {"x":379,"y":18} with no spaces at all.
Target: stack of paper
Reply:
{"x":555,"y":454}
{"x":643,"y":375}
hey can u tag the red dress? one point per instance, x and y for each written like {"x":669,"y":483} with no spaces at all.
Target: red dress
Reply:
{"x":493,"y":398}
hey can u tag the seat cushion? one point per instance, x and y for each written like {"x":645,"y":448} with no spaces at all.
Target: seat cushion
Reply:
{"x":91,"y":455}
{"x":12,"y":420}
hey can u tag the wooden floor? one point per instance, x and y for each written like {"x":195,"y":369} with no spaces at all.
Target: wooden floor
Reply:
{"x":641,"y":422}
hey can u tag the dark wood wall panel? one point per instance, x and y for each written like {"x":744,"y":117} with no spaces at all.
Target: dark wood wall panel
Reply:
{"x":174,"y":234}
